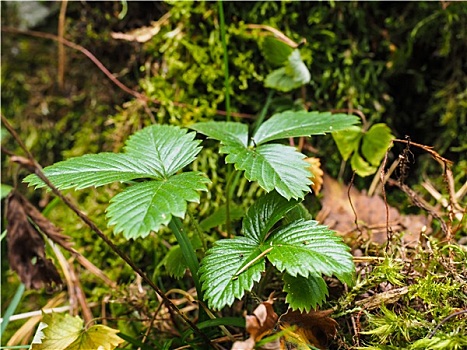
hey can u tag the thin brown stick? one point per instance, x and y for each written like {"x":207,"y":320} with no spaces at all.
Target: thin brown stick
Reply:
{"x":428,"y":149}
{"x":61,"y":49}
{"x":351,"y":204}
{"x":383,"y":191}
{"x":94,"y":228}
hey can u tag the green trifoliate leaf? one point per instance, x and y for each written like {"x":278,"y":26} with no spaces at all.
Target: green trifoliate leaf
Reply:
{"x":170,"y":148}
{"x":157,"y":153}
{"x":348,"y":140}
{"x":229,"y":133}
{"x":264,"y":214}
{"x":146,"y":206}
{"x":305,"y":293}
{"x":274,"y":166}
{"x":376,"y":142}
{"x":360,"y":166}
{"x":221,"y":267}
{"x":281,"y":81}
{"x":275,"y":51}
{"x":296,"y":124}
{"x":94,"y":170}
{"x":305,"y":248}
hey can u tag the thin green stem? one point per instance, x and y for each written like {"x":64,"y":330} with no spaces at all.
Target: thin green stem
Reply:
{"x":228,"y":196}
{"x":188,"y":251}
{"x":11,"y":308}
{"x":263,"y":112}
{"x":226,"y":60}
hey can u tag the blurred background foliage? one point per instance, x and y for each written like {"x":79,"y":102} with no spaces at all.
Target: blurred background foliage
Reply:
{"x":401,"y":63}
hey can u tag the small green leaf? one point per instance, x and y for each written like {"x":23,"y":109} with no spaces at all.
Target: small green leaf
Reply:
{"x":348,"y":140}
{"x":305,"y":293}
{"x":297,"y":69}
{"x":376,"y":142}
{"x":264,"y":214}
{"x":280,"y":80}
{"x":146,"y":206}
{"x":5,"y":190}
{"x":174,"y":262}
{"x":293,"y":75}
{"x":306,"y":248}
{"x":229,"y":133}
{"x":296,"y":124}
{"x":275,"y":51}
{"x":220,"y":266}
{"x":274,"y":166}
{"x":360,"y":166}
{"x":62,"y":331}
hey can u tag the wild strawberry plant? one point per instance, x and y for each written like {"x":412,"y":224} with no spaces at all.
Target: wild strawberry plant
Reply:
{"x":302,"y":249}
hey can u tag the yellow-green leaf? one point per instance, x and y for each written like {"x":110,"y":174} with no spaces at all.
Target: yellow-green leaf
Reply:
{"x":360,"y":166}
{"x":348,"y":140}
{"x":376,"y":142}
{"x":62,"y":331}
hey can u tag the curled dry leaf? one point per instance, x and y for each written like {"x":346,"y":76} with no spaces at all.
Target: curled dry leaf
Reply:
{"x":315,"y":169}
{"x":26,"y":252}
{"x":258,"y":325}
{"x":313,"y":328}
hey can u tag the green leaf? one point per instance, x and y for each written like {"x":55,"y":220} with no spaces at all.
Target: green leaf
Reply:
{"x":5,"y":190}
{"x":146,"y":206}
{"x":169,"y":148}
{"x":296,"y":124}
{"x":293,"y":75}
{"x":376,"y":142}
{"x":264,"y":214}
{"x":274,"y":166}
{"x":297,"y":69}
{"x":348,"y":140}
{"x":229,"y":133}
{"x":305,"y":293}
{"x":156,"y":152}
{"x":174,"y":262}
{"x":275,"y":51}
{"x":306,"y":248}
{"x":360,"y":166}
{"x":94,"y":170}
{"x":62,"y":331}
{"x":220,"y":266}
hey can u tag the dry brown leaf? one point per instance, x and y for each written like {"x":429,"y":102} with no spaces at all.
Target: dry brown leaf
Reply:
{"x":26,"y":246}
{"x":315,"y":169}
{"x":337,"y":213}
{"x":313,"y":328}
{"x":258,"y":325}
{"x":142,"y":34}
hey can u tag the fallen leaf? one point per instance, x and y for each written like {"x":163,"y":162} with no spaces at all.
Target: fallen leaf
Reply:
{"x":63,"y":331}
{"x":258,"y":325}
{"x":142,"y":34}
{"x":338,"y":215}
{"x":26,"y":252}
{"x":315,"y":169}
{"x":314,"y":328}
